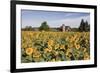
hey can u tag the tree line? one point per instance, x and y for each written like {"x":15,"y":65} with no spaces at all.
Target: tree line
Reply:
{"x":84,"y":26}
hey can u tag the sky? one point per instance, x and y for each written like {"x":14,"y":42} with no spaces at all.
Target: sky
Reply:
{"x":34,"y":18}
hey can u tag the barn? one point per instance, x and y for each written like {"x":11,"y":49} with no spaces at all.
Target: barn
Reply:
{"x":65,"y":28}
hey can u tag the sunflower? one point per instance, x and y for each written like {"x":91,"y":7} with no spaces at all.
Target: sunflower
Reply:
{"x":35,"y":50}
{"x":53,"y":60}
{"x":36,"y":54}
{"x":48,"y":49}
{"x":56,"y":46}
{"x":55,"y":53}
{"x":84,"y":49}
{"x":50,"y":42}
{"x":69,"y":50}
{"x":68,"y":53}
{"x":77,"y":46}
{"x":66,"y":38}
{"x":62,"y":47}
{"x":86,"y":41}
{"x":29,"y":51}
{"x":86,"y":56}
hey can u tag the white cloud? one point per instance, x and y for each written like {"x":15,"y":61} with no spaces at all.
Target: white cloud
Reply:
{"x":69,"y":22}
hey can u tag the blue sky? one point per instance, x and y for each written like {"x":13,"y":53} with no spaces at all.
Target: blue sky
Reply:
{"x":54,"y":19}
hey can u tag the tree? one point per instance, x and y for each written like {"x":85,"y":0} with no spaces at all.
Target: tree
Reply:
{"x":44,"y":26}
{"x":81,"y":27}
{"x":28,"y":28}
{"x":84,"y":26}
{"x":88,"y":27}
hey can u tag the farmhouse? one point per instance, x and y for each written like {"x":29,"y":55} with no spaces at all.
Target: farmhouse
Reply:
{"x":65,"y":28}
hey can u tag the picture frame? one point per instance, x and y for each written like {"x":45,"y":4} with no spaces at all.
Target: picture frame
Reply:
{"x":17,"y":22}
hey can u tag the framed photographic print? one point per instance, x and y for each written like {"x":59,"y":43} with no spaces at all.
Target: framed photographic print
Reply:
{"x":52,"y":36}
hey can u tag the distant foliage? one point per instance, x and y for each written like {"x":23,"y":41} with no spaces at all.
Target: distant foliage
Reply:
{"x":44,"y":26}
{"x":28,"y":28}
{"x":84,"y":26}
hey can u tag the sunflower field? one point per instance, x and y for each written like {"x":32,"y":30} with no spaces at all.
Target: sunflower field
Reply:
{"x":45,"y":46}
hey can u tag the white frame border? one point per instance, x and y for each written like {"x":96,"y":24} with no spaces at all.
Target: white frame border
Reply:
{"x":51,"y":64}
